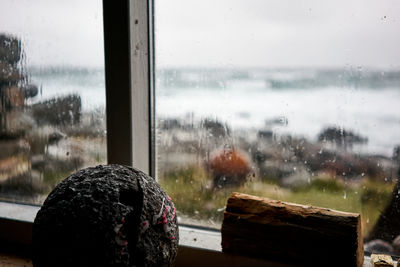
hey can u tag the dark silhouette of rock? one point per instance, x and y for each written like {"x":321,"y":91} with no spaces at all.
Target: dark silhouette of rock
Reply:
{"x":378,"y":246}
{"x":265,"y":134}
{"x":169,"y":124}
{"x":387,"y":226}
{"x":61,"y":111}
{"x":396,"y":244}
{"x":216,"y":128}
{"x":10,"y":49}
{"x":396,"y":154}
{"x":108,"y":215}
{"x":340,"y":137}
{"x":30,"y":90}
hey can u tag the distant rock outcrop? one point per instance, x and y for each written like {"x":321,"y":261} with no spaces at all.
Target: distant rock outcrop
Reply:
{"x":14,"y":88}
{"x":341,"y":137}
{"x":61,"y":111}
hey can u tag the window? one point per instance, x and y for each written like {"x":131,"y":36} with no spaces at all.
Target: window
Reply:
{"x":194,"y":141}
{"x":291,"y":101}
{"x":52,"y":110}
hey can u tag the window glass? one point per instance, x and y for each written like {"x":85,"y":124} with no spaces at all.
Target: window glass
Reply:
{"x":291,"y":100}
{"x":52,"y":95}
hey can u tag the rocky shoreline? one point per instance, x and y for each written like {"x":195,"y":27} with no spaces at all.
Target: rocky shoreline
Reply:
{"x":288,"y":160}
{"x":42,"y":143}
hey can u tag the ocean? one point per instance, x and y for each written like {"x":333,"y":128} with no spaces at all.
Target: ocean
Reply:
{"x":296,"y":102}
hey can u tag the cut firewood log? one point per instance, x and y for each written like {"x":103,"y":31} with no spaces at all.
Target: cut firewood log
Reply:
{"x":297,"y":234}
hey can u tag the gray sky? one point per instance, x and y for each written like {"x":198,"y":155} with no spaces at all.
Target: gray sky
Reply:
{"x":279,"y":32}
{"x":223,"y":33}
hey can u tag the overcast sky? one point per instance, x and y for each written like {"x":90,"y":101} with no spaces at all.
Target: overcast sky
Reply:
{"x":225,"y":33}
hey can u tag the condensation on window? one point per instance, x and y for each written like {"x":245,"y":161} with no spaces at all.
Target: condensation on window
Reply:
{"x":292,"y":101}
{"x":52,"y":94}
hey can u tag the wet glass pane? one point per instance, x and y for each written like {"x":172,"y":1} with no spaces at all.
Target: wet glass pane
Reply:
{"x":290,"y":100}
{"x":52,"y":95}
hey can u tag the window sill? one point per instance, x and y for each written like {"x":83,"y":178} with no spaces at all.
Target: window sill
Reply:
{"x":197,"y":246}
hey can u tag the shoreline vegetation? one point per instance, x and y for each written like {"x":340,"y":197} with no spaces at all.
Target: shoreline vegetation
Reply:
{"x":325,"y":173}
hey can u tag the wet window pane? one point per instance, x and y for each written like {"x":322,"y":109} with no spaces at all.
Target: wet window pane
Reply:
{"x":52,"y":95}
{"x":296,"y":101}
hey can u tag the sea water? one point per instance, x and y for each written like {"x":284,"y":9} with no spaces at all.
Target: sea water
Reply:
{"x":298,"y":102}
{"x":305,"y":101}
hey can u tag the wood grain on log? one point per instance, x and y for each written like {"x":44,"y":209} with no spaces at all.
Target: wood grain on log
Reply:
{"x":299,"y":234}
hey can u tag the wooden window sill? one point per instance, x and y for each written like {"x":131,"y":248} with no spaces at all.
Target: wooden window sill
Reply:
{"x":197,"y":247}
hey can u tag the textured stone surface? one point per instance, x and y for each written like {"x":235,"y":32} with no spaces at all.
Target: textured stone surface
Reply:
{"x":108,"y":215}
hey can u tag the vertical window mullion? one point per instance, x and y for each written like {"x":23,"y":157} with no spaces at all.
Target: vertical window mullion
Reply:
{"x":117,"y":80}
{"x":129,"y":82}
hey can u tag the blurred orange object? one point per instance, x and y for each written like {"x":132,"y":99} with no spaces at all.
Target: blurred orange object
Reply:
{"x":229,"y":167}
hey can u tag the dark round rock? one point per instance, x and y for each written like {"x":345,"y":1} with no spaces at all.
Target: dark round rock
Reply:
{"x":378,"y":246}
{"x":109,"y":215}
{"x":396,"y":244}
